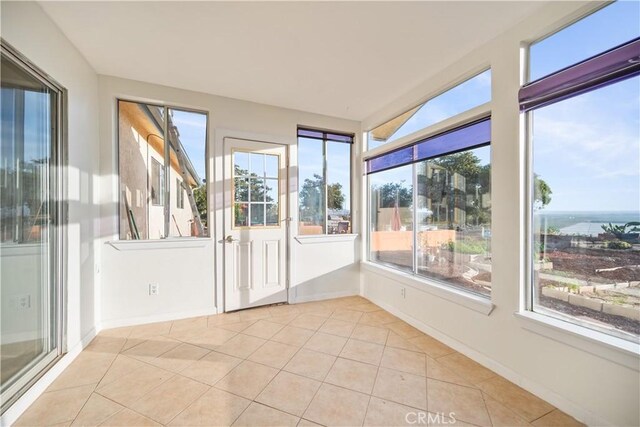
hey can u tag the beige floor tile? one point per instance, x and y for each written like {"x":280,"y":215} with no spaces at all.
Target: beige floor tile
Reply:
{"x":255,"y":314}
{"x":189,"y":324}
{"x":289,"y":392}
{"x":431,"y":346}
{"x":317,"y":308}
{"x":347,"y":315}
{"x":152,"y":348}
{"x":120,"y":367}
{"x":220,"y":319}
{"x":310,"y":364}
{"x":404,"y":360}
{"x":129,"y":388}
{"x":396,"y":341}
{"x":259,"y":415}
{"x":326,"y":343}
{"x":236,"y":327}
{"x":335,"y":406}
{"x":169,"y":399}
{"x":384,"y":413}
{"x":150,"y":330}
{"x":437,"y":371}
{"x":55,"y":407}
{"x":122,"y":332}
{"x":209,"y":338}
{"x":517,"y":399}
{"x":211,"y":368}
{"x":501,"y":416}
{"x":308,"y":321}
{"x":372,"y":334}
{"x":263,"y":329}
{"x":353,"y":375}
{"x":404,"y":329}
{"x":283,"y":319}
{"x":293,"y":336}
{"x":284,"y":310}
{"x":96,"y":410}
{"x":307,"y":423}
{"x":365,"y":307}
{"x":467,"y":368}
{"x":214,"y":408}
{"x":128,"y":418}
{"x":247,"y":379}
{"x":274,"y":354}
{"x":240,"y":346}
{"x":377,"y":318}
{"x":466,"y":403}
{"x":401,"y":387}
{"x":106,"y":344}
{"x":338,"y":327}
{"x":557,"y":418}
{"x":179,"y":358}
{"x":362,"y":351}
{"x":87,"y":368}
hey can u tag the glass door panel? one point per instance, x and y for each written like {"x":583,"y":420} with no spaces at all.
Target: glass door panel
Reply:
{"x":28,"y":266}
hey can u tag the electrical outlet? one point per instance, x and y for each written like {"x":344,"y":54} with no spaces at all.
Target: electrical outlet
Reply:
{"x":154,"y":289}
{"x":21,"y":302}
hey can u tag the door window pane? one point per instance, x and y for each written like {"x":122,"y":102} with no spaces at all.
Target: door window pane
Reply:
{"x":257,"y":214}
{"x":391,"y":217}
{"x":251,"y":186}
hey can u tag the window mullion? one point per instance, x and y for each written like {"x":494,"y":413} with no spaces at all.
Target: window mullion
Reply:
{"x":167,"y":169}
{"x":326,"y":186}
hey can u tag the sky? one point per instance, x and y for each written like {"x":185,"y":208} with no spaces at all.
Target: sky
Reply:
{"x":586,"y":148}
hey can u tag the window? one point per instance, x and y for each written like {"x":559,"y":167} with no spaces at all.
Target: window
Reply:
{"x":255,"y":187}
{"x":430,"y":208}
{"x":179,"y":194}
{"x":463,"y":97}
{"x":324,"y":176}
{"x":150,"y":206}
{"x":585,"y":174}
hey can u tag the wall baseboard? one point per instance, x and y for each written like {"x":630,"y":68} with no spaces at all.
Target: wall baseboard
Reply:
{"x":320,"y":297}
{"x":14,"y":412}
{"x":560,"y":402}
{"x":142,"y":320}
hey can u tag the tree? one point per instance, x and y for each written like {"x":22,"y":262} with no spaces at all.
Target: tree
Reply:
{"x":541,"y":192}
{"x":312,"y":199}
{"x":392,"y":192}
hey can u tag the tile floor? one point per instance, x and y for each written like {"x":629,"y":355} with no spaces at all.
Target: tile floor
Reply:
{"x":335,"y":362}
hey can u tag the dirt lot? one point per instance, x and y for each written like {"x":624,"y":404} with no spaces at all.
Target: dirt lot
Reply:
{"x":582,"y":263}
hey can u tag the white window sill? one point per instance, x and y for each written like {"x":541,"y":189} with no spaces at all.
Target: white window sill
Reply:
{"x":617,"y":350}
{"x":325,"y":238}
{"x":460,"y":297}
{"x":172,"y":243}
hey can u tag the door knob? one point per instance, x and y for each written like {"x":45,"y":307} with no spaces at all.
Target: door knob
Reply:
{"x":230,"y":239}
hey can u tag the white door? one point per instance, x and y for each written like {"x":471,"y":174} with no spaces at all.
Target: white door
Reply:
{"x":255,"y":225}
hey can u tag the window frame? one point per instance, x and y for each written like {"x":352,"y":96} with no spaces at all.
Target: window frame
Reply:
{"x":167,"y":178}
{"x":324,"y":141}
{"x":541,"y":319}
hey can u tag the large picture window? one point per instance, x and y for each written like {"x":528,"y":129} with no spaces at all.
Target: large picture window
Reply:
{"x":585,"y":173}
{"x":324,"y":177}
{"x":430,"y":208}
{"x":155,"y":178}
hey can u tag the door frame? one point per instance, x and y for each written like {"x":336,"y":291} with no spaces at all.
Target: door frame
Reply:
{"x":217,"y":195}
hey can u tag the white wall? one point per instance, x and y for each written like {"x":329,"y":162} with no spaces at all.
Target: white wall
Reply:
{"x":583,"y":382}
{"x":28,"y":29}
{"x":187,"y":275}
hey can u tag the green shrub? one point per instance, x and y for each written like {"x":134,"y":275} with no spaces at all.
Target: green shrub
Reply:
{"x":469,"y":248}
{"x":617,"y":244}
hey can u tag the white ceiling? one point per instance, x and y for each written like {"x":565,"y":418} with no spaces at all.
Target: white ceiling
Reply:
{"x":345,"y":59}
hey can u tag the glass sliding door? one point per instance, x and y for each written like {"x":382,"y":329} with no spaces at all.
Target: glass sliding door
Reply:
{"x":30,"y":276}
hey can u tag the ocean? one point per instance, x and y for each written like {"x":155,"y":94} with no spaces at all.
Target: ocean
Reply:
{"x":584,"y":223}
